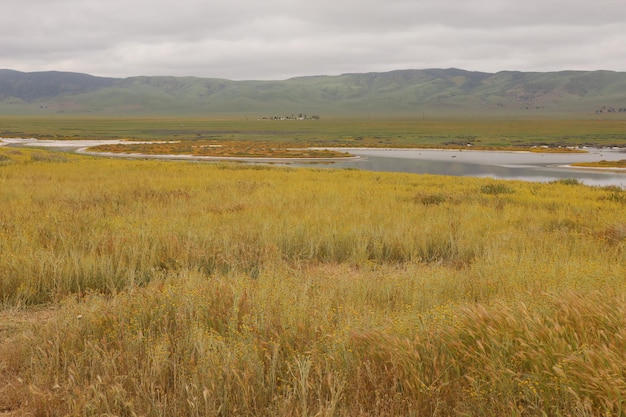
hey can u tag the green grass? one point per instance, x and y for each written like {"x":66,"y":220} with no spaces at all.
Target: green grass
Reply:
{"x":171,"y":288}
{"x":363,"y":131}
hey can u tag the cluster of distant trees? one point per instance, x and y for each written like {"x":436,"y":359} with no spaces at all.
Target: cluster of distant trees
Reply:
{"x":605,"y":109}
{"x":299,"y":116}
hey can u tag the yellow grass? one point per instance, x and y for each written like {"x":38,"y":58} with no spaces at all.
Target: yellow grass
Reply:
{"x":603,"y":164}
{"x":179,"y":289}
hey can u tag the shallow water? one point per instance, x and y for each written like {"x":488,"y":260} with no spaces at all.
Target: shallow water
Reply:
{"x":527,"y":166}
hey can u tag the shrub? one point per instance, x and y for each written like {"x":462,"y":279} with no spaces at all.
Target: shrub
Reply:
{"x":567,"y":181}
{"x":431,"y":199}
{"x":495,"y":189}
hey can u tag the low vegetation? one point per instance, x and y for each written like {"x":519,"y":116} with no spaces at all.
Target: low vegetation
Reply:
{"x":220,"y":149}
{"x":245,"y":149}
{"x":603,"y":164}
{"x":154,"y":288}
{"x":515,"y":134}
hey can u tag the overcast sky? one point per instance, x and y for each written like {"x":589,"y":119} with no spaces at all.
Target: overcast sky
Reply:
{"x":279,"y":39}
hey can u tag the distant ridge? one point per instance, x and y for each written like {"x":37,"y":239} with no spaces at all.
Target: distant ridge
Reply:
{"x":395,"y":92}
{"x":36,"y":85}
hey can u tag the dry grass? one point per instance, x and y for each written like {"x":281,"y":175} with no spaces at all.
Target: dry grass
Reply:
{"x":603,"y":164}
{"x":156,"y":288}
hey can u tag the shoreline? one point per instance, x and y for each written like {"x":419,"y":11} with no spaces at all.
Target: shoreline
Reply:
{"x":82,"y":146}
{"x":584,"y":168}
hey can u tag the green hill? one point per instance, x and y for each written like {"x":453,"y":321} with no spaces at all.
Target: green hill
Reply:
{"x":395,"y":92}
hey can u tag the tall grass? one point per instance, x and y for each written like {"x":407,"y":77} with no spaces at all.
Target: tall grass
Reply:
{"x":198,"y":289}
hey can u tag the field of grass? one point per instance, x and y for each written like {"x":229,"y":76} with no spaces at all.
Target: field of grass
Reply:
{"x":151,"y":288}
{"x":336,"y":131}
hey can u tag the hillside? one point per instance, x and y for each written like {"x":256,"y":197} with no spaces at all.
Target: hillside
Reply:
{"x":401,"y":92}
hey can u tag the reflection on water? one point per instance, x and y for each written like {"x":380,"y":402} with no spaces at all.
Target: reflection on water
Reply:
{"x":524,"y":166}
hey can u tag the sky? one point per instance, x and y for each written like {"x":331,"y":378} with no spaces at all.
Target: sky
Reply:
{"x":280,"y":39}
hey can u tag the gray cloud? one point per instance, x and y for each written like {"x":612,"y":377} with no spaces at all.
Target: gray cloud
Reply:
{"x":277,"y":39}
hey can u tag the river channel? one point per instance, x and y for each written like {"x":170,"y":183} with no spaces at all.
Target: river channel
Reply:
{"x":526,"y":166}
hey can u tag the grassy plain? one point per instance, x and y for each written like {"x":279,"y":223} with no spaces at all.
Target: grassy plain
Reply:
{"x":184,"y":289}
{"x":279,"y":283}
{"x":332,"y":131}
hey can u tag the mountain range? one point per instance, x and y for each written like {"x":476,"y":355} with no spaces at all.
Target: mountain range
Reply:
{"x":446,"y":91}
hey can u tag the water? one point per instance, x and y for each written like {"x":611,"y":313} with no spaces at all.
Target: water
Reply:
{"x":527,"y":166}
